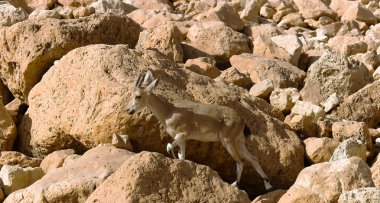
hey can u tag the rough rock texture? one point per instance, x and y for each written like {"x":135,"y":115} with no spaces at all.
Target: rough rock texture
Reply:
{"x":319,"y":150}
{"x":291,"y":44}
{"x":10,"y":15}
{"x":30,"y":5}
{"x":352,"y":129}
{"x":251,"y":11}
{"x":264,"y":46}
{"x":30,"y":47}
{"x":122,"y":141}
{"x":262,"y":89}
{"x":116,"y":7}
{"x":166,"y":38}
{"x":314,"y":9}
{"x":5,"y":94}
{"x":358,"y":12}
{"x":269,"y":30}
{"x":15,"y":178}
{"x":375,"y":171}
{"x":363,"y":105}
{"x":95,"y":84}
{"x":75,"y":3}
{"x":331,"y":102}
{"x":333,"y":72}
{"x":16,"y":109}
{"x":170,"y":180}
{"x":302,"y":124}
{"x":41,"y":14}
{"x":324,"y":182}
{"x":148,"y":18}
{"x":8,"y":131}
{"x":163,"y":5}
{"x":271,"y":197}
{"x":349,"y":148}
{"x":83,"y":12}
{"x":367,"y":194}
{"x":14,"y":158}
{"x":348,"y":45}
{"x":284,"y":99}
{"x":55,"y":160}
{"x":282,"y":74}
{"x":203,"y":66}
{"x":75,"y":181}
{"x":308,"y":109}
{"x":226,"y":42}
{"x":233,"y":76}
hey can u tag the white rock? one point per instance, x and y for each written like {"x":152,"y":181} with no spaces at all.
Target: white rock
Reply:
{"x":308,"y":109}
{"x":349,"y":148}
{"x":122,"y":141}
{"x":284,"y":99}
{"x":331,"y":102}
{"x":376,"y":74}
{"x":262,"y":89}
{"x":45,"y":14}
{"x":15,"y":178}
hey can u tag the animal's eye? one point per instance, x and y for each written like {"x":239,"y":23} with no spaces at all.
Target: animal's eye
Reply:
{"x":138,"y":97}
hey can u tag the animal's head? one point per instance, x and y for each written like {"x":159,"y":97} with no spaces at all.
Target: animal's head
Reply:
{"x":144,"y":85}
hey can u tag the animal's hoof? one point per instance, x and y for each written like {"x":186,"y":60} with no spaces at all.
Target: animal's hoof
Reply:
{"x":235,"y":184}
{"x":169,"y":148}
{"x":268,"y":186}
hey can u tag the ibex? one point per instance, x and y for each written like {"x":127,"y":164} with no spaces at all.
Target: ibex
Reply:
{"x":196,"y":121}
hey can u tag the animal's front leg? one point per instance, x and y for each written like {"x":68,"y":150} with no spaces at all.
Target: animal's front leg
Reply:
{"x":182,"y":150}
{"x":179,"y":140}
{"x":170,"y":149}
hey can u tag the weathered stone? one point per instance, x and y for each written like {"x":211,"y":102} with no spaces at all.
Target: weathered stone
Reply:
{"x":375,"y":171}
{"x":75,"y":3}
{"x":148,"y":18}
{"x":314,"y":9}
{"x":116,"y":7}
{"x":324,"y":182}
{"x":291,"y":44}
{"x":331,"y":102}
{"x":14,"y":158}
{"x":366,"y":194}
{"x":186,"y":182}
{"x":259,"y":68}
{"x":81,"y":12}
{"x":30,"y":5}
{"x":376,"y":74}
{"x":5,"y":94}
{"x":349,"y":148}
{"x":30,"y":47}
{"x":16,"y":178}
{"x":233,"y":76}
{"x":333,"y":72}
{"x":75,"y":181}
{"x":166,"y":38}
{"x":359,"y":13}
{"x":16,"y":109}
{"x":10,"y":15}
{"x":370,"y":59}
{"x":263,"y":89}
{"x":284,"y":99}
{"x":8,"y":131}
{"x":87,"y":112}
{"x":292,"y":20}
{"x":122,"y":141}
{"x":270,"y":197}
{"x":267,"y":12}
{"x":362,"y":106}
{"x":330,"y":30}
{"x":226,"y":42}
{"x":324,"y":127}
{"x":351,"y":129}
{"x":161,"y":5}
{"x":255,"y":31}
{"x":319,"y":150}
{"x":41,"y":14}
{"x":308,"y":109}
{"x":55,"y":160}
{"x":340,"y":6}
{"x":264,"y":46}
{"x":251,"y":10}
{"x":348,"y":45}
{"x":303,"y":125}
{"x":203,"y":66}
{"x":65,"y":12}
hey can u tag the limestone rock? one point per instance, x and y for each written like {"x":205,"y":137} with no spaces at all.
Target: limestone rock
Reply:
{"x":375,"y":171}
{"x":351,"y":129}
{"x":282,"y":74}
{"x":324,"y":127}
{"x":162,"y":5}
{"x":10,"y":15}
{"x":314,"y":9}
{"x":166,"y":38}
{"x":359,"y":13}
{"x":81,"y":12}
{"x":340,"y":6}
{"x":366,"y":194}
{"x":148,"y":18}
{"x":348,"y":45}
{"x":251,"y":11}
{"x":55,"y":160}
{"x":349,"y":148}
{"x":75,"y":181}
{"x":292,"y":20}
{"x":233,"y":76}
{"x":122,"y":141}
{"x":116,"y":7}
{"x":270,"y":197}
{"x":40,"y":14}
{"x":8,"y":131}
{"x":267,"y":12}
{"x":226,"y":42}
{"x":268,"y":30}
{"x":362,"y":106}
{"x":263,"y":89}
{"x":308,"y":109}
{"x":31,"y":5}
{"x":319,"y":150}
{"x":333,"y":72}
{"x":14,"y":158}
{"x":376,"y":74}
{"x":284,"y":99}
{"x":291,"y":44}
{"x":31,"y":46}
{"x":5,"y":94}
{"x":174,"y":181}
{"x":331,"y":102}
{"x":65,"y":12}
{"x":203,"y":66}
{"x":75,"y":3}
{"x":325,"y":182}
{"x":302,"y":124}
{"x":264,"y":46}
{"x":16,"y":109}
{"x":87,"y":112}
{"x":16,"y":178}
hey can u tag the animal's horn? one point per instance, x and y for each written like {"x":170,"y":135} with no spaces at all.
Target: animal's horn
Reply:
{"x":139,"y":80}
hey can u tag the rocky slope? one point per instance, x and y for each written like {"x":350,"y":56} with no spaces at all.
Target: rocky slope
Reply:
{"x":303,"y":75}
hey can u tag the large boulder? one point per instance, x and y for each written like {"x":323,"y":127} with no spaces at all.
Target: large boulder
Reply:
{"x":14,"y":158}
{"x":358,"y":12}
{"x":8,"y":131}
{"x":10,"y":15}
{"x":170,"y":180}
{"x":116,"y":7}
{"x":375,"y":171}
{"x":324,"y":182}
{"x":264,"y":46}
{"x":95,"y":84}
{"x":282,"y":74}
{"x":30,"y":47}
{"x":333,"y":72}
{"x":349,"y":148}
{"x":75,"y":181}
{"x":366,"y":194}
{"x":362,"y":106}
{"x":314,"y":9}
{"x":15,"y":177}
{"x":319,"y":149}
{"x":351,"y":129}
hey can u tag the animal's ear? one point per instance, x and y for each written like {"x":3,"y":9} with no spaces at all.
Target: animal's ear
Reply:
{"x":148,"y":78}
{"x":152,"y":85}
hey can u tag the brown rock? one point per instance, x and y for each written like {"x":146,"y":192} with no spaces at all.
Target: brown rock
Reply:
{"x":226,"y":42}
{"x":40,"y":14}
{"x":5,"y":94}
{"x":319,"y":150}
{"x":55,"y":160}
{"x":83,"y":11}
{"x":251,"y":11}
{"x":348,"y":45}
{"x":161,"y":5}
{"x":30,"y":5}
{"x":65,"y":12}
{"x":303,"y":125}
{"x":148,"y":18}
{"x":367,"y":194}
{"x":292,"y":20}
{"x":284,"y":99}
{"x":75,"y":3}
{"x":291,"y":44}
{"x":340,"y":6}
{"x":333,"y":72}
{"x":264,"y":46}
{"x":267,"y":12}
{"x":170,"y":180}
{"x":14,"y":158}
{"x":122,"y":141}
{"x":233,"y":76}
{"x":203,"y":66}
{"x":263,"y":89}
{"x":324,"y":182}
{"x":359,"y":13}
{"x":314,"y":9}
{"x":10,"y":15}
{"x":165,"y":37}
{"x":282,"y":74}
{"x":255,"y":31}
{"x":271,"y":197}
{"x":351,"y":129}
{"x":86,"y":112}
{"x":31,"y":46}
{"x":16,"y":109}
{"x":375,"y":171}
{"x":75,"y":181}
{"x":8,"y":131}
{"x":324,"y":127}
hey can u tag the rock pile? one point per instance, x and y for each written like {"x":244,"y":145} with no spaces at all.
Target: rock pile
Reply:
{"x":302,"y":74}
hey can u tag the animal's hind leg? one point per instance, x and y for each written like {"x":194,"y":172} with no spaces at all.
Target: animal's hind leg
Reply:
{"x":179,"y":140}
{"x":239,"y":162}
